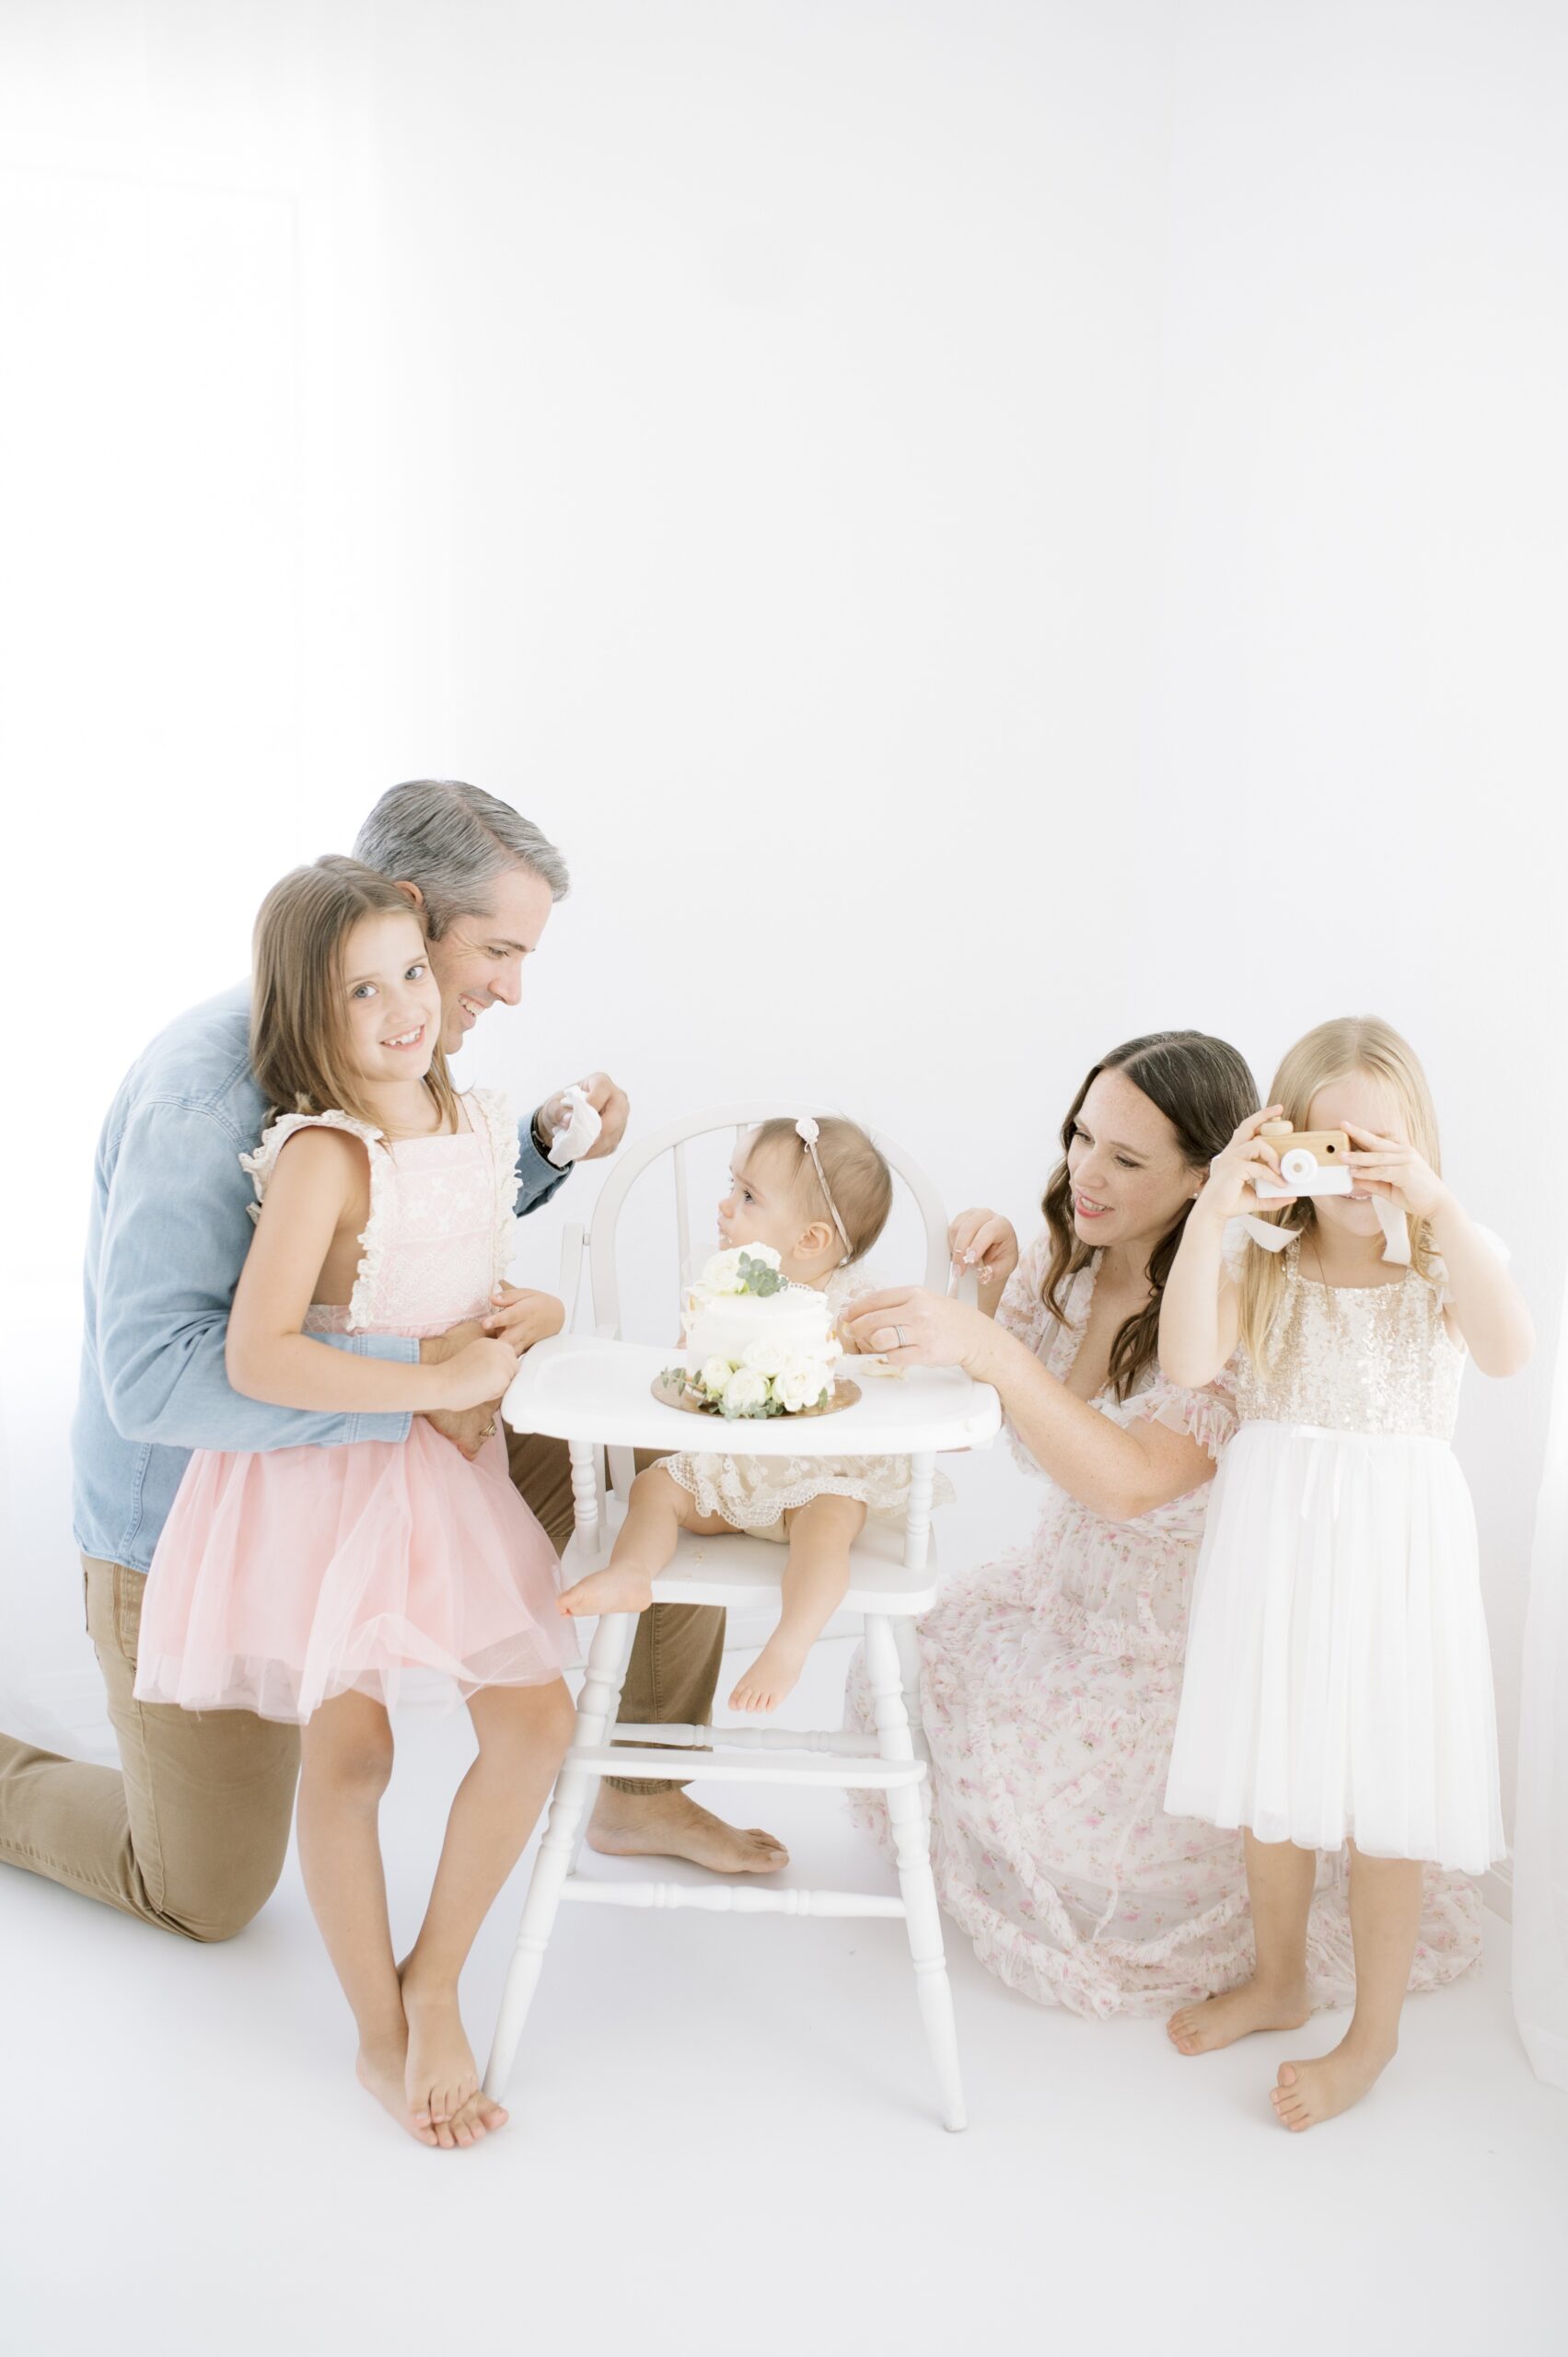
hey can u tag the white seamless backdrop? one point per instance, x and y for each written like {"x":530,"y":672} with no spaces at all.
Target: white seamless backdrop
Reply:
{"x":981,"y":529}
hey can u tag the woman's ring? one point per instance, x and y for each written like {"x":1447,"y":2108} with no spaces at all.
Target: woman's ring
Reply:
{"x":903,"y":1338}
{"x":489,"y":1432}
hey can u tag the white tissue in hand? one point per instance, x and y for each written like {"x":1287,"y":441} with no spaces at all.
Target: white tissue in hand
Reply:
{"x":579,"y":1130}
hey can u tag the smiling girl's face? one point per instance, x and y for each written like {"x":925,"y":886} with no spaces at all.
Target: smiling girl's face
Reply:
{"x":1128,"y":1176}
{"x":391,"y":1004}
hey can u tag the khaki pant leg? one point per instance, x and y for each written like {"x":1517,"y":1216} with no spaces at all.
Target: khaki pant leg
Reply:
{"x":541,"y":1472}
{"x":676,"y":1654}
{"x":192,"y":1834}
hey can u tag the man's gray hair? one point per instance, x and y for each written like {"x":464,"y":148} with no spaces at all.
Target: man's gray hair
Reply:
{"x":453,"y":840}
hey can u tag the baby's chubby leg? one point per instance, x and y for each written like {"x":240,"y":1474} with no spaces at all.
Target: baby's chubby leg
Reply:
{"x":657,"y":1510}
{"x":814,"y":1582}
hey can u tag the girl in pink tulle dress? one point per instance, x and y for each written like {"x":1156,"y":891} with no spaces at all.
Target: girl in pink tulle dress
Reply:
{"x":313,"y":1583}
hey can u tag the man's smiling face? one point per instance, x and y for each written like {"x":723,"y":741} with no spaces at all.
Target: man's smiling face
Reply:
{"x":478,"y":960}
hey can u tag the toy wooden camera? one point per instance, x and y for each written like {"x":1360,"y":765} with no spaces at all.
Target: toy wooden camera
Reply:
{"x":1312,"y":1162}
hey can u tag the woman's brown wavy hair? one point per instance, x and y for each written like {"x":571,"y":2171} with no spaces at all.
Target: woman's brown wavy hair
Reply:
{"x":1205,"y":1091}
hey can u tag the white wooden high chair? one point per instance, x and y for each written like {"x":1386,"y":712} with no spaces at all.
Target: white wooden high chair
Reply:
{"x":595,"y":1392}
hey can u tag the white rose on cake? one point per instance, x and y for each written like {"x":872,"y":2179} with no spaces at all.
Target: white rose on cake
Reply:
{"x":723,"y":1275}
{"x":767,"y":1355}
{"x":746,"y":1392}
{"x":714,"y":1376}
{"x":800,"y":1383}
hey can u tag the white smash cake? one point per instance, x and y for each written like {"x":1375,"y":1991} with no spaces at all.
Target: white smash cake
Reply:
{"x":756,"y":1344}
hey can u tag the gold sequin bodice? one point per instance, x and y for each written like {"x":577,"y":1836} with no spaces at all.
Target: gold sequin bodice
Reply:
{"x":1372,"y":1359}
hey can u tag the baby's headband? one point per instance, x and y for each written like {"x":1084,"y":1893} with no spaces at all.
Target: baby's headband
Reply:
{"x":808,"y":1132}
{"x":1392,"y":1220}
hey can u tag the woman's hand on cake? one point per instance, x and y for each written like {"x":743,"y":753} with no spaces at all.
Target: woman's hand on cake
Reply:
{"x":521,"y":1319}
{"x":988,"y":1244}
{"x":913,"y":1327}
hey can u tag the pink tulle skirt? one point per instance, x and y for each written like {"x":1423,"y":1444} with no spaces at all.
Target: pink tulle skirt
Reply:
{"x":284,"y":1579}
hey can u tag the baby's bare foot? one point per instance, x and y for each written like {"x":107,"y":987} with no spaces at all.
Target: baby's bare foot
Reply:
{"x":441,"y":2075}
{"x":774,"y":1674}
{"x":1310,"y":2092}
{"x":612,"y":1590}
{"x":671,"y":1825}
{"x":381,"y":2067}
{"x":1199,"y":2029}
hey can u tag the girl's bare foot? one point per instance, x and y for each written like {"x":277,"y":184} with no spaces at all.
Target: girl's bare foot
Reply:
{"x":670,"y":1825}
{"x":441,"y":2076}
{"x":381,"y":2067}
{"x":1199,"y":2029}
{"x":1308,"y":2091}
{"x":612,"y":1590}
{"x":774,"y":1674}
{"x":479,"y":2118}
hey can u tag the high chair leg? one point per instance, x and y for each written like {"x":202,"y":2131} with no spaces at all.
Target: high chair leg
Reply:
{"x":575,"y":1791}
{"x":923,"y":1919}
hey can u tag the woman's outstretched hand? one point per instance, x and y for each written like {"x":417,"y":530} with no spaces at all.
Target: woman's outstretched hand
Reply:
{"x":913,"y":1327}
{"x":986,"y":1243}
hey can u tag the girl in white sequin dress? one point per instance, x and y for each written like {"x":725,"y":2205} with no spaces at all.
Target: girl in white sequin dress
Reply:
{"x":1338,"y":1684}
{"x":819,"y":1194}
{"x":308,"y":1584}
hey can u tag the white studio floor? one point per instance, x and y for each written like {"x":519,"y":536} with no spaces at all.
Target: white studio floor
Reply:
{"x":722,"y":2138}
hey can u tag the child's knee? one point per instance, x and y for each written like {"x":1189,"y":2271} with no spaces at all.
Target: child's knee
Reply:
{"x":356,"y":1761}
{"x":833,"y":1517}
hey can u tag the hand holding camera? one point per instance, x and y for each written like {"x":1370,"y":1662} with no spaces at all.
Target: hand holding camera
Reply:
{"x":1237,"y":1176}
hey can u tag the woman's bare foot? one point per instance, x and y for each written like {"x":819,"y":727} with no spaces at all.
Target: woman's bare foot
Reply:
{"x":1199,"y":2029}
{"x":612,"y":1590}
{"x":1308,"y":2091}
{"x":441,"y":2076}
{"x":381,"y":2066}
{"x":774,"y":1674}
{"x":670,"y":1825}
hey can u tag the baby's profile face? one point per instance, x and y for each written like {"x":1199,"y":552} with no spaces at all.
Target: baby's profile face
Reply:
{"x":761,"y":1207}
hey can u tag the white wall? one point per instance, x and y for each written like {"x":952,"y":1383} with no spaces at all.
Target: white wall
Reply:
{"x":981,"y":529}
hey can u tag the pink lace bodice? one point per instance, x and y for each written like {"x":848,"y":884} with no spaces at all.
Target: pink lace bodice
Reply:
{"x":441,"y":1226}
{"x":1118,"y":1587}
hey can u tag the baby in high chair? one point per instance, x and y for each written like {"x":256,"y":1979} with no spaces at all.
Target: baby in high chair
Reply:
{"x":818,"y":1195}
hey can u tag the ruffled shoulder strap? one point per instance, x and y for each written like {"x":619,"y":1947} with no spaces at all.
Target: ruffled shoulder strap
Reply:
{"x":494,"y":1120}
{"x":258,"y":1167}
{"x":264,"y":1162}
{"x":1207,"y":1414}
{"x":1022,"y":1310}
{"x":847,"y":1285}
{"x":1438,"y":1268}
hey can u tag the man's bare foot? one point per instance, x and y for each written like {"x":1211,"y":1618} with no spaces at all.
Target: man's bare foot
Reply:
{"x":1199,"y":2029}
{"x":611,"y":1590}
{"x":774,"y":1674}
{"x":380,"y":2067}
{"x":1308,"y":2091}
{"x":670,"y":1825}
{"x":441,"y":2076}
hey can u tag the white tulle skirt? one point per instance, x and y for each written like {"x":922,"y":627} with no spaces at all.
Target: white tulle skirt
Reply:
{"x":1338,"y":1682}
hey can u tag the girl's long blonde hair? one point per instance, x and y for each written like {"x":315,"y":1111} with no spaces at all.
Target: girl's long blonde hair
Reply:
{"x":298,"y":1035}
{"x":1352,"y":1043}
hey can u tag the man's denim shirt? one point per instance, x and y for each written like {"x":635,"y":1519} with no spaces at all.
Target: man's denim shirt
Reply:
{"x":167,"y":1238}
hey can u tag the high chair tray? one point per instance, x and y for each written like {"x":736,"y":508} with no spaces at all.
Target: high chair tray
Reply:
{"x":584,"y":1388}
